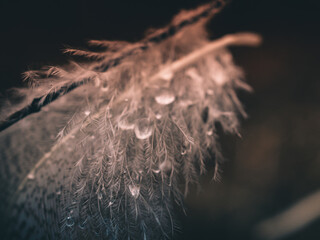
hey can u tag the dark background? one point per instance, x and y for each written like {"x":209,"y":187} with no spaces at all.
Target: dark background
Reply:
{"x":277,"y":161}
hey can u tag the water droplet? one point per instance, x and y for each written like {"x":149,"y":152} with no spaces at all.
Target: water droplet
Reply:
{"x":143,"y":128}
{"x":125,"y":123}
{"x":69,"y":221}
{"x":103,"y":85}
{"x":167,"y":75}
{"x":209,"y":132}
{"x":31,"y":176}
{"x":158,"y":116}
{"x":87,"y":113}
{"x":183,"y":152}
{"x":126,"y":99}
{"x":220,"y":78}
{"x":165,"y":97}
{"x":156,"y":170}
{"x":165,"y":166}
{"x":134,"y":190}
{"x":100,"y":196}
{"x":58,"y":192}
{"x":110,"y":203}
{"x":82,"y":225}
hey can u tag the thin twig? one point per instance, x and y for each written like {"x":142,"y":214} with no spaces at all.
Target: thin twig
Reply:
{"x":38,"y":103}
{"x":248,"y":39}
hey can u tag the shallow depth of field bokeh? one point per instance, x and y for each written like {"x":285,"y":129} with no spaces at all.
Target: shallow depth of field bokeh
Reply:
{"x":277,"y":161}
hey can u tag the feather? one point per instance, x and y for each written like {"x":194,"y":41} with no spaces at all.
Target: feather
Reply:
{"x":136,"y":132}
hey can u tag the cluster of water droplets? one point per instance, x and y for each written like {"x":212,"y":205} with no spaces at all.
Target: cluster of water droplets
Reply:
{"x":143,"y":127}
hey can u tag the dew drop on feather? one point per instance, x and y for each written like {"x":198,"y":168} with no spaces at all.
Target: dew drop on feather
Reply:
{"x":69,"y":221}
{"x":183,"y":152}
{"x":100,"y":196}
{"x":165,"y":97}
{"x":31,"y":176}
{"x":125,"y":124}
{"x":134,"y":190}
{"x":82,"y":225}
{"x":209,"y":132}
{"x":156,"y":170}
{"x":167,"y":75}
{"x":220,"y":78}
{"x":158,"y":116}
{"x":143,"y":128}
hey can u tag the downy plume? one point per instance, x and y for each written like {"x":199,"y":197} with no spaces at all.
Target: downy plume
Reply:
{"x":141,"y":125}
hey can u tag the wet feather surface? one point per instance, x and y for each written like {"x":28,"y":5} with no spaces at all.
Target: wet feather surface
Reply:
{"x":129,"y":142}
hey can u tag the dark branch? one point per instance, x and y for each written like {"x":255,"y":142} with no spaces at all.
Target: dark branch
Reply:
{"x":37,"y":104}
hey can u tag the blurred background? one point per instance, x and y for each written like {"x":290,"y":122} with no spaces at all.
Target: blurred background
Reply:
{"x":276,"y":163}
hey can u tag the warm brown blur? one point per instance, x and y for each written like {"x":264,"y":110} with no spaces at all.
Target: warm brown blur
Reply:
{"x":272,"y":175}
